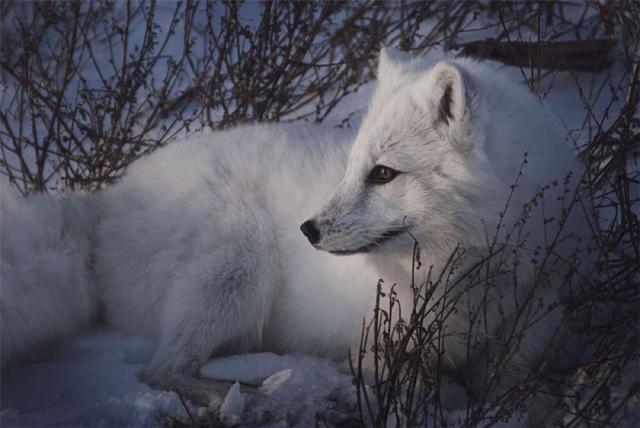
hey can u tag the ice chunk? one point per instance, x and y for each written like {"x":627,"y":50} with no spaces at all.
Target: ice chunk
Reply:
{"x":233,"y":406}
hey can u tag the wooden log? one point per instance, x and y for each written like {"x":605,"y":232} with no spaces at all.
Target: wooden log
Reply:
{"x":574,"y":55}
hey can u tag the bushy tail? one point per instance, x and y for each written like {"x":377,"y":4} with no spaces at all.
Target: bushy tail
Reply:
{"x":46,"y":291}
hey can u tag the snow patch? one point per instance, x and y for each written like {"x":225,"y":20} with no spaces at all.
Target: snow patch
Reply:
{"x":233,"y":405}
{"x":273,"y":382}
{"x":292,"y":389}
{"x":92,"y":381}
{"x":250,"y":369}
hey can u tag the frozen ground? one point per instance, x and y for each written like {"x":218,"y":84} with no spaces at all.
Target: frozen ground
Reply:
{"x":92,"y":382}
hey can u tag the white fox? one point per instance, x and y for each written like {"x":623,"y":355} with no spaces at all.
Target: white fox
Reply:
{"x":434,"y":162}
{"x":198,"y":244}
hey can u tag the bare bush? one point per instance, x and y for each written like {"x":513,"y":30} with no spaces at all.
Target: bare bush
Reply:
{"x":89,"y":87}
{"x":587,"y":371}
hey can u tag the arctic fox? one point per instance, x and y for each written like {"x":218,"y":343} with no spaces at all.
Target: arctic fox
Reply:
{"x":196,"y":246}
{"x":434,"y":162}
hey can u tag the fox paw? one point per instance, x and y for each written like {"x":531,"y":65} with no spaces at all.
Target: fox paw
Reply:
{"x":199,"y":391}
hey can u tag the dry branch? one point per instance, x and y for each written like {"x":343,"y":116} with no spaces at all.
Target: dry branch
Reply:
{"x":577,"y":55}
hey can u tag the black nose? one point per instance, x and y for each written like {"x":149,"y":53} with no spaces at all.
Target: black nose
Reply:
{"x":310,"y":231}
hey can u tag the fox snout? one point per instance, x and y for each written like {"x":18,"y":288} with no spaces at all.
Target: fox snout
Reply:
{"x":311,"y":231}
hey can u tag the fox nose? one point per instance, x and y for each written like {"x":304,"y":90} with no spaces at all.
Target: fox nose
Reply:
{"x":310,"y":231}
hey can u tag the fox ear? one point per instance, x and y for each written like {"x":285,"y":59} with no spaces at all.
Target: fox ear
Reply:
{"x":448,"y":100}
{"x":390,"y":65}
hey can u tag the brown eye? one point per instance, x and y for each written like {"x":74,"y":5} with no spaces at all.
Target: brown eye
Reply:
{"x":381,"y":174}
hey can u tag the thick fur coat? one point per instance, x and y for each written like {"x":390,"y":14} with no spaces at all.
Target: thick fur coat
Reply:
{"x":198,"y":244}
{"x":456,"y":155}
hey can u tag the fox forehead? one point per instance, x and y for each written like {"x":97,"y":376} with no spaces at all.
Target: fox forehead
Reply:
{"x":395,"y":134}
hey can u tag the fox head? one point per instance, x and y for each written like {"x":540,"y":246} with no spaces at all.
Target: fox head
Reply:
{"x":422,"y":166}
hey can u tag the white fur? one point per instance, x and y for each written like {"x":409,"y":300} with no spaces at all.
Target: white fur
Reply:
{"x":457,"y":176}
{"x":456,"y":170}
{"x":197,"y":246}
{"x":45,"y":285}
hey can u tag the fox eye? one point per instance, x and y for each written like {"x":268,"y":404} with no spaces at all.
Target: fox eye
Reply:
{"x":381,"y":174}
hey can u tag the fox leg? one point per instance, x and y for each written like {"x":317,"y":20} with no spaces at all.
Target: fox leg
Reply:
{"x":218,"y":305}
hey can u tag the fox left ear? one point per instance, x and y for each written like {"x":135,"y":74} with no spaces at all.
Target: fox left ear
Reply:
{"x":448,"y":101}
{"x":390,"y":63}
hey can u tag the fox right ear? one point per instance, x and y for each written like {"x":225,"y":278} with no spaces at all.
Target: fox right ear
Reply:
{"x":448,"y":93}
{"x":390,"y":65}
{"x":448,"y":100}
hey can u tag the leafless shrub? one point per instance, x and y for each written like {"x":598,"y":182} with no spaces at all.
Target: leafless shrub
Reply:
{"x":89,"y":87}
{"x":84,"y":85}
{"x":408,"y":348}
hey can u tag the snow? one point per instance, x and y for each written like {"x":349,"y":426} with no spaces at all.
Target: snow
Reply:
{"x":289,"y":389}
{"x":275,"y":381}
{"x":233,"y":405}
{"x":92,"y":381}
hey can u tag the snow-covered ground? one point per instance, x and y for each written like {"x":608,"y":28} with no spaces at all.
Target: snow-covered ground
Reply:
{"x":92,"y":381}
